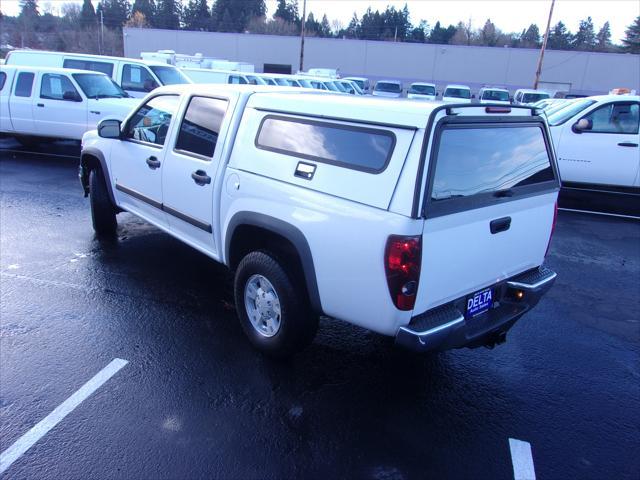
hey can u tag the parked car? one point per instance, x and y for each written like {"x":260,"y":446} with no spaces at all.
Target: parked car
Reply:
{"x":596,"y":140}
{"x":548,"y":102}
{"x":362,"y":82}
{"x":206,"y":75}
{"x":494,"y":95}
{"x":37,"y":102}
{"x":388,"y":88}
{"x":349,"y":87}
{"x":524,"y":96}
{"x":457,"y":94}
{"x":136,"y":77}
{"x":422,"y":91}
{"x":327,"y":205}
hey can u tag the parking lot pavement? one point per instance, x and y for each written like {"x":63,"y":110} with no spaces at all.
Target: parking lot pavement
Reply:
{"x":195,"y":401}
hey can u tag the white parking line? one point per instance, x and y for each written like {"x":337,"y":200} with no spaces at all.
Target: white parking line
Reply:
{"x":29,"y":439}
{"x":522,"y":460}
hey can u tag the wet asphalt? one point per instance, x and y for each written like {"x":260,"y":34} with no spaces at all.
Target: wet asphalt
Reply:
{"x":195,"y":401}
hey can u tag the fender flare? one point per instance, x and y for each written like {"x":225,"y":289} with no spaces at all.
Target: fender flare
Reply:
{"x":84,"y":171}
{"x":288,"y":231}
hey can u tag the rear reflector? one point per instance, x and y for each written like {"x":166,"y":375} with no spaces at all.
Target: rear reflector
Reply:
{"x":498,"y":109}
{"x":402,"y":259}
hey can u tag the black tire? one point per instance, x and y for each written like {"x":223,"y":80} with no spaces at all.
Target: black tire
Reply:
{"x":103,"y":214}
{"x":298,"y":324}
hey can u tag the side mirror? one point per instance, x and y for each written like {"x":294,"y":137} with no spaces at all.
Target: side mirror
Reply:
{"x":109,"y":128}
{"x":473,"y":96}
{"x":582,"y":125}
{"x":72,"y":96}
{"x":437,"y":93}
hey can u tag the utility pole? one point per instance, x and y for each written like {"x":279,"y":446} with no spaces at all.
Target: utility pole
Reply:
{"x":304,"y":20}
{"x":101,"y":32}
{"x":544,"y":46}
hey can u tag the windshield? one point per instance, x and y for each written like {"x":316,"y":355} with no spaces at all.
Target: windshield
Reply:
{"x":457,"y":93}
{"x":534,"y":97}
{"x":388,"y":87}
{"x":357,"y":88}
{"x":340,"y":87}
{"x":360,"y":83}
{"x":98,"y":86}
{"x":565,"y":113}
{"x":423,"y":89}
{"x":169,"y":75}
{"x":496,"y":95}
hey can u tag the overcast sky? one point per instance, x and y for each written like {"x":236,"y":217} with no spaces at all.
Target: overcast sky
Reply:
{"x":508,"y":15}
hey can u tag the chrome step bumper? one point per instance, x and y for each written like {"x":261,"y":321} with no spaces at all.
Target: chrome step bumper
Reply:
{"x":445,"y":327}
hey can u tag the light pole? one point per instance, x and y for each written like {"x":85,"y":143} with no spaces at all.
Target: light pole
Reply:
{"x":304,"y":18}
{"x":544,"y":46}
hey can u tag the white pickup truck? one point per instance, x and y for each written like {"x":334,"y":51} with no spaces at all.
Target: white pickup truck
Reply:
{"x":42,"y":102}
{"x":429,"y":223}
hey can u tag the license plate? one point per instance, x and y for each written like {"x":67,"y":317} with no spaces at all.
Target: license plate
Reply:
{"x":479,"y":302}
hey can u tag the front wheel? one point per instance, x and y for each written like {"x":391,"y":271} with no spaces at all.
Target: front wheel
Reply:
{"x":272,"y":306}
{"x":103,"y":215}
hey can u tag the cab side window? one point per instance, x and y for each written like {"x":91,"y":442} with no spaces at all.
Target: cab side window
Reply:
{"x":150,"y":124}
{"x":58,"y":87}
{"x":24,"y":84}
{"x":106,"y":68}
{"x":615,"y":118}
{"x":237,"y":80}
{"x":201,"y":126}
{"x":137,"y":78}
{"x":3,"y":79}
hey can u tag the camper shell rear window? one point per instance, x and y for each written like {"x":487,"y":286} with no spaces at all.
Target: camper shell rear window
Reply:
{"x":358,"y":148}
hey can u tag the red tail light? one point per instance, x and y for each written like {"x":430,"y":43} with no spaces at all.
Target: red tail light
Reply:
{"x":498,"y":109}
{"x":553,"y":227}
{"x":402,"y":260}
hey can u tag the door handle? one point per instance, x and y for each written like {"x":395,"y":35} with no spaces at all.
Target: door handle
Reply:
{"x":500,"y":225}
{"x":201,"y":178}
{"x":627,"y":144}
{"x":41,"y":105}
{"x":95,"y":112}
{"x":153,"y":163}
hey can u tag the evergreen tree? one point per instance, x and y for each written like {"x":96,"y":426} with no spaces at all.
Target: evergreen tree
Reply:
{"x":631,"y":40}
{"x":87,"y":15}
{"x":441,"y":35}
{"x":603,"y":38}
{"x":168,"y":14}
{"x":146,"y":8}
{"x":29,"y":9}
{"x":585,"y":38}
{"x":530,"y":37}
{"x":353,"y":29}
{"x":287,"y":11}
{"x":311,"y":26}
{"x":325,"y":28}
{"x":196,"y":15}
{"x":235,"y":15}
{"x":115,"y":12}
{"x":560,"y":38}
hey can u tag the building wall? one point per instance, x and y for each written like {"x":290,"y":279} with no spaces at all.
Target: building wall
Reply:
{"x":587,"y":72}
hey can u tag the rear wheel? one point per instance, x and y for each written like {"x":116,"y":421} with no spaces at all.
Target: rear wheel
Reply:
{"x":103,"y":214}
{"x":28,"y":142}
{"x":272,"y":306}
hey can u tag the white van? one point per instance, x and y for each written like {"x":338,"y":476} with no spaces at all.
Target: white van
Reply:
{"x":136,"y":77}
{"x":422,"y":91}
{"x":388,"y":88}
{"x":525,"y":96}
{"x":494,"y":95}
{"x":57,"y":102}
{"x":457,"y":94}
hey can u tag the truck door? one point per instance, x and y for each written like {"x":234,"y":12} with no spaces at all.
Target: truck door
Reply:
{"x":137,"y":160}
{"x":5,"y":88}
{"x":607,"y":152}
{"x":60,"y":110}
{"x":137,"y":80}
{"x":193,"y":171}
{"x":21,"y":103}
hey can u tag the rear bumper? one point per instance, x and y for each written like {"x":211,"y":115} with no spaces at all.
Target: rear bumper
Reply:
{"x":446,"y":327}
